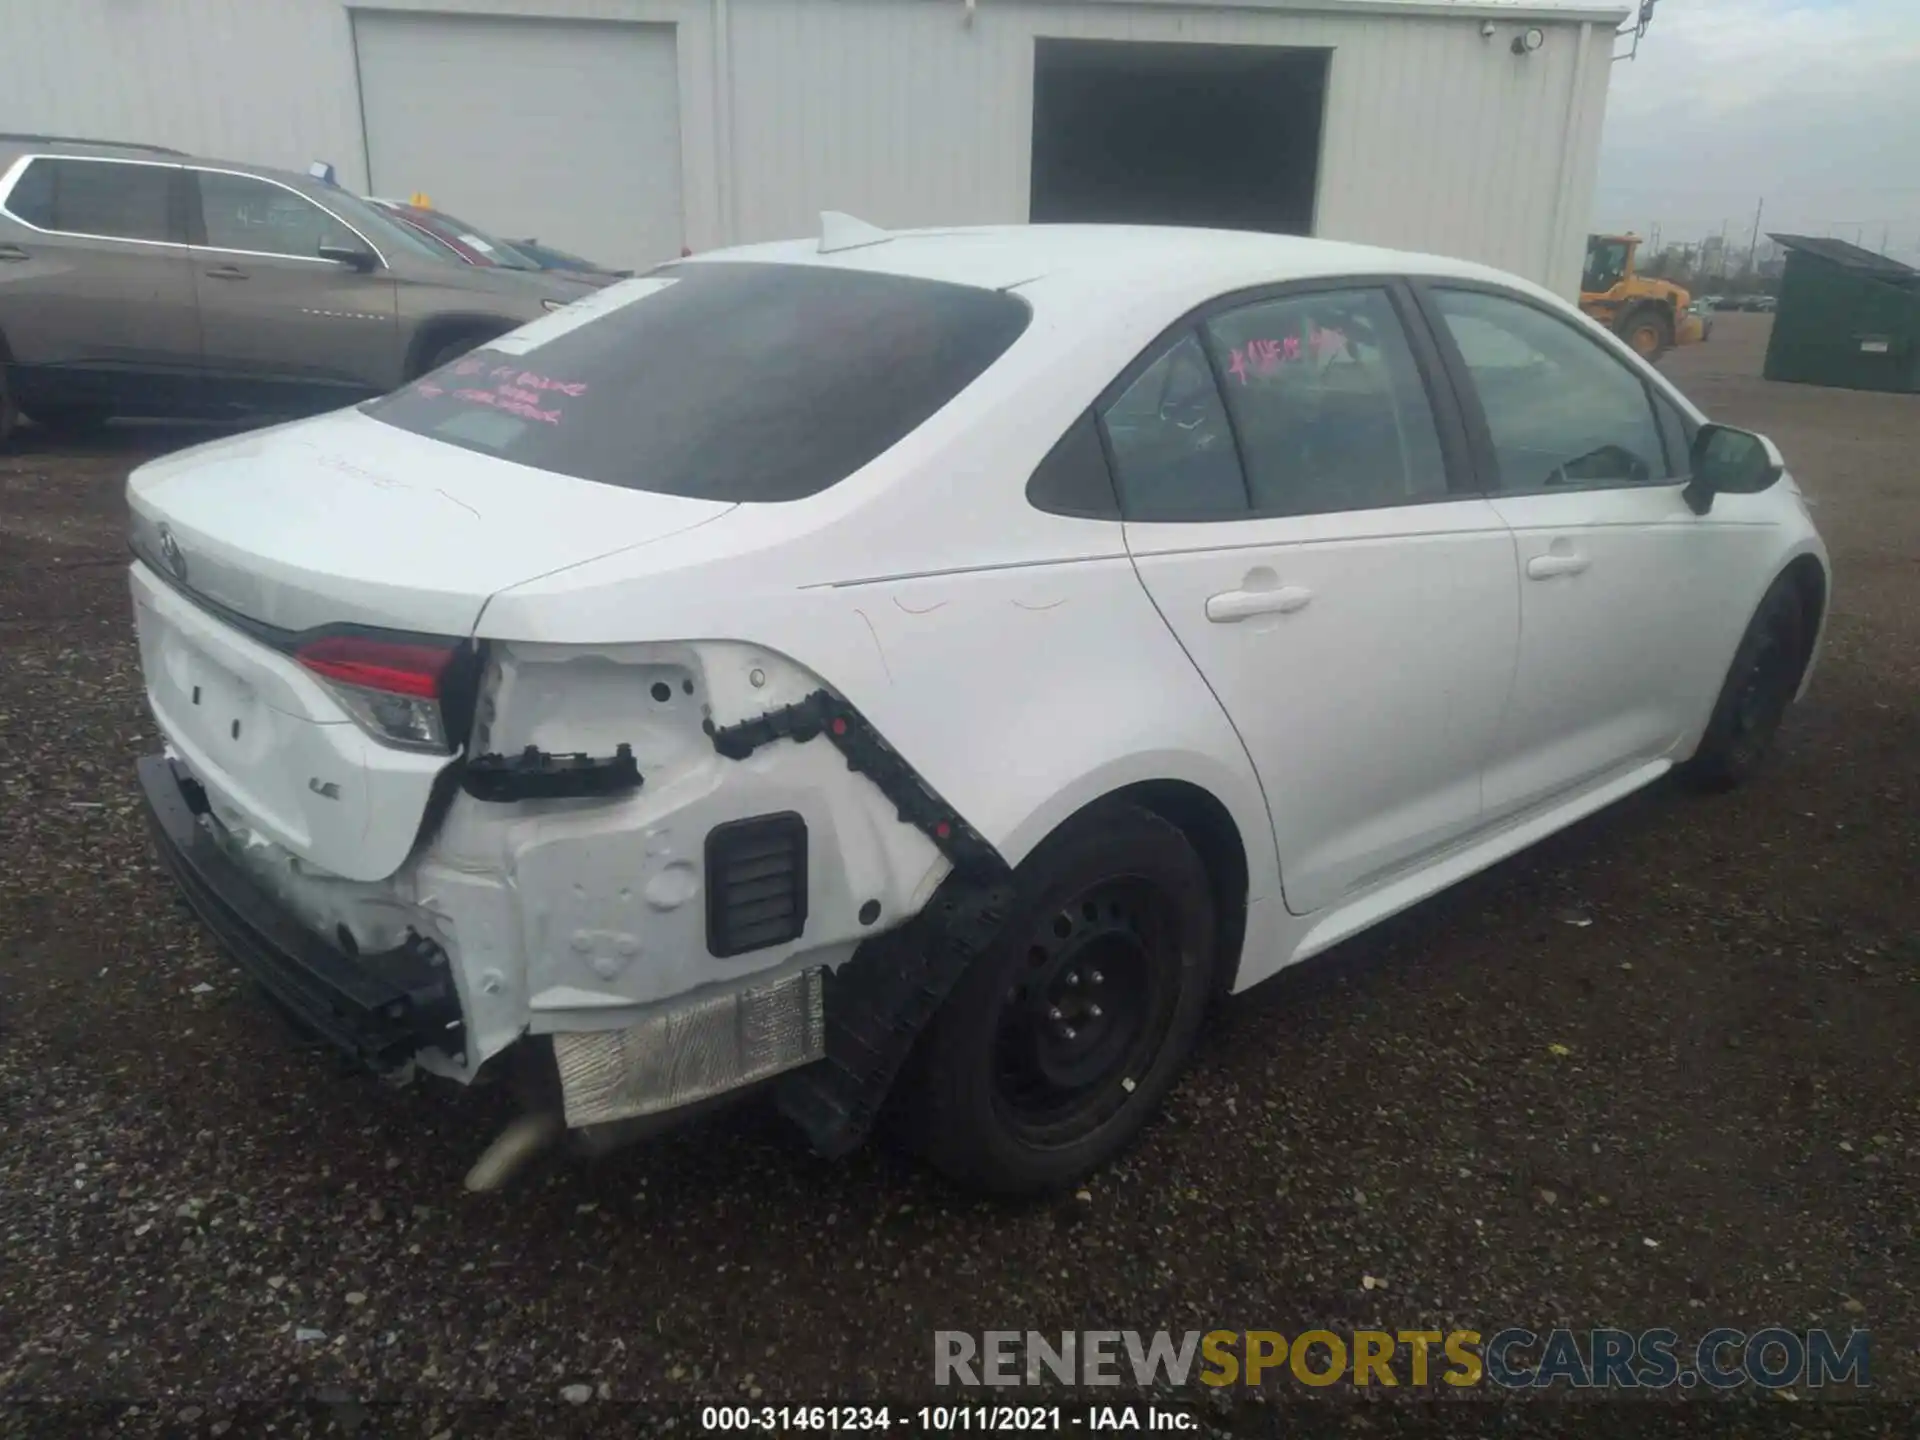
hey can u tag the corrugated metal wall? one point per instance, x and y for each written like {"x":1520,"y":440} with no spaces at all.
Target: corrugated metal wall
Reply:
{"x":901,"y":111}
{"x":273,"y":81}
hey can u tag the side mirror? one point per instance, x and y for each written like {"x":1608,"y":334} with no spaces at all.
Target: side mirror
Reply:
{"x":351,"y":256}
{"x":1732,"y":462}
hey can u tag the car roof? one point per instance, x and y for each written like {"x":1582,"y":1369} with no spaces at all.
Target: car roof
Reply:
{"x":76,"y":145}
{"x":1054,"y":264}
{"x":66,"y":145}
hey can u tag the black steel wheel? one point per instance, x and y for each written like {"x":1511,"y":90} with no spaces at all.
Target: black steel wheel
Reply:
{"x":1067,"y":1032}
{"x":1760,"y":685}
{"x":1089,"y":1013}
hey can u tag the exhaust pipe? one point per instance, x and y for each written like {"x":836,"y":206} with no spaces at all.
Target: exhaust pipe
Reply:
{"x":525,"y":1140}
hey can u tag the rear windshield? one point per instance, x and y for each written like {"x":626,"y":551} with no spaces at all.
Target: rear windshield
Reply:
{"x":718,"y":381}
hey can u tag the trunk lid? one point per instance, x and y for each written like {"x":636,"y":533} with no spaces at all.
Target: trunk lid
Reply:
{"x":345,"y":520}
{"x":339,"y":521}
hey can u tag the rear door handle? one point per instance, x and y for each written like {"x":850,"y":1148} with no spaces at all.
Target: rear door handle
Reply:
{"x":13,"y":253}
{"x":1545,"y":567}
{"x":1234,"y":605}
{"x":226,"y":272}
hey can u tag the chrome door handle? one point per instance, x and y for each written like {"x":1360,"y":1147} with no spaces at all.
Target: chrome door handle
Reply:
{"x":1234,"y":605}
{"x":13,"y":253}
{"x":1545,"y":567}
{"x":226,"y":272}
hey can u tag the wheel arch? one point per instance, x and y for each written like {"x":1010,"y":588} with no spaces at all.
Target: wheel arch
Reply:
{"x":1209,"y":827}
{"x":1234,"y":844}
{"x":1808,"y":574}
{"x":882,"y":1000}
{"x":440,"y":330}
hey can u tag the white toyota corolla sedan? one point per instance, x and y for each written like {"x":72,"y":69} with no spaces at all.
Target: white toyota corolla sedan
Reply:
{"x":927,"y":669}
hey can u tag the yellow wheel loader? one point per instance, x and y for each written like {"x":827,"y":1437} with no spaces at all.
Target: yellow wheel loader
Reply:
{"x":1650,"y":315}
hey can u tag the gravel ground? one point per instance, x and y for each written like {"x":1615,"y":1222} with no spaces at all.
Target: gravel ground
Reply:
{"x":1698,"y":1109}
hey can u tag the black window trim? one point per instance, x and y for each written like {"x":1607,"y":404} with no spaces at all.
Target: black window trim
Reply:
{"x":176,"y":213}
{"x":1202,"y":333}
{"x":1108,"y":507}
{"x":1456,"y":451}
{"x":1187,"y":328}
{"x":1682,"y":463}
{"x":1480,"y":435}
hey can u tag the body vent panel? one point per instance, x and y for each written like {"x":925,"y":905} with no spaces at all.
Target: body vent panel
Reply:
{"x":756,"y":883}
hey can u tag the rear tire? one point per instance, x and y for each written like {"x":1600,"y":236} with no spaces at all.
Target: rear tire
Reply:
{"x":9,"y":413}
{"x":1649,"y":330}
{"x":1760,"y":685}
{"x":1067,"y":1032}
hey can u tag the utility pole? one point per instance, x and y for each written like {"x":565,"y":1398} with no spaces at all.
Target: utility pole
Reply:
{"x":1753,"y":248}
{"x":1886,"y":235}
{"x":1724,"y":224}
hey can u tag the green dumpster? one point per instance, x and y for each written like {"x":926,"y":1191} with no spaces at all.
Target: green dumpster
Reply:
{"x":1847,"y":317}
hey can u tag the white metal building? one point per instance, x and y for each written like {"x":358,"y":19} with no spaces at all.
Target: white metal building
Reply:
{"x":624,"y":128}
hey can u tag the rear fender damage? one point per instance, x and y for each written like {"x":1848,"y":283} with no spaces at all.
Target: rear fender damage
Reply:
{"x":607,"y":892}
{"x":584,"y":918}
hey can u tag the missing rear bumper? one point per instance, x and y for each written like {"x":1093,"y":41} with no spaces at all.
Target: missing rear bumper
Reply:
{"x":381,"y":1009}
{"x":692,"y":1052}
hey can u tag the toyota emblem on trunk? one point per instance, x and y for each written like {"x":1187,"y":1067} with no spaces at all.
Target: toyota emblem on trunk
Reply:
{"x":170,"y":552}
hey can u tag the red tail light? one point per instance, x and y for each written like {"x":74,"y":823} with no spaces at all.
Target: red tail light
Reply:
{"x":394,"y":689}
{"x":399,"y":668}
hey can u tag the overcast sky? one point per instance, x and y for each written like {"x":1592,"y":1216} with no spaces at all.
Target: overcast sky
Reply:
{"x":1814,"y":104}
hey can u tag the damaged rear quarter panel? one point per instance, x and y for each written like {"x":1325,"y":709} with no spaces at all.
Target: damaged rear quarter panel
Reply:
{"x":608,"y":895}
{"x":1019,"y":693}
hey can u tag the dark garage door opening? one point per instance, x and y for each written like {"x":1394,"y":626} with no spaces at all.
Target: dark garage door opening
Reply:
{"x":1216,"y":135}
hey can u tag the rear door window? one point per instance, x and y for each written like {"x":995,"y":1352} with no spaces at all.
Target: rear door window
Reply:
{"x":1328,"y":404}
{"x":1172,"y":444}
{"x":718,"y":381}
{"x":112,"y":198}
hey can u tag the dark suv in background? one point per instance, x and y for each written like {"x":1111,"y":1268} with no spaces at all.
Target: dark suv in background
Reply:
{"x":136,"y":280}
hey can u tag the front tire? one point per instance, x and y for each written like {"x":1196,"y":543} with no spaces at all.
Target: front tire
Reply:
{"x":9,"y":412}
{"x":1067,"y":1032}
{"x":1760,"y":685}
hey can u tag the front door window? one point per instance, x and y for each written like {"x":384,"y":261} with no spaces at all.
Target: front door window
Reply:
{"x":242,"y":213}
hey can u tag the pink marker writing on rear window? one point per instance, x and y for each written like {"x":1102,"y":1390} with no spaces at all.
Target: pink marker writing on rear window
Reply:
{"x":494,"y":400}
{"x":542,"y":382}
